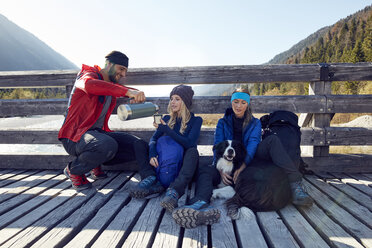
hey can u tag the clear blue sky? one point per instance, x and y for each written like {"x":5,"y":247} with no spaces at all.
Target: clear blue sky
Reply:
{"x":166,"y":33}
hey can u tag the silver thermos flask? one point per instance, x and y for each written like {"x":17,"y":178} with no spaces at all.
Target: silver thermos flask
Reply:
{"x":137,"y":110}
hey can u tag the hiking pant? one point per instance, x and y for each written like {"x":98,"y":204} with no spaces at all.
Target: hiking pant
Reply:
{"x":271,"y":149}
{"x":97,"y":147}
{"x":188,"y":168}
{"x":207,"y":178}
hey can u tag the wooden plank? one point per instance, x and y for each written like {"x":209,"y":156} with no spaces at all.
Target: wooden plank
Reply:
{"x":168,"y":232}
{"x":351,"y":71}
{"x":332,"y":233}
{"x":13,"y":180}
{"x":361,"y":178}
{"x":353,"y":193}
{"x":10,"y":174}
{"x":210,"y":104}
{"x":70,"y":226}
{"x":309,"y":136}
{"x":37,"y":78}
{"x":23,"y":185}
{"x":17,"y":212}
{"x":32,"y":192}
{"x":222,"y":232}
{"x":298,"y":226}
{"x":124,"y":221}
{"x":27,"y":220}
{"x":348,"y":136}
{"x":198,"y":236}
{"x":343,"y":218}
{"x":201,"y":74}
{"x":100,"y":220}
{"x":354,"y":183}
{"x":349,"y":104}
{"x":369,"y":175}
{"x":143,"y":230}
{"x":31,"y":234}
{"x":358,"y":211}
{"x":5,"y":173}
{"x":201,"y":105}
{"x":274,"y":230}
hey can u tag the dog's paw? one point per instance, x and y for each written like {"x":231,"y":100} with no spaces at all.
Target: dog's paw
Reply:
{"x":216,"y":194}
{"x":223,"y":193}
{"x":245,"y":214}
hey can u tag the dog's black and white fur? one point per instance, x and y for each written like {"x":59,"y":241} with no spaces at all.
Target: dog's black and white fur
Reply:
{"x":230,"y":155}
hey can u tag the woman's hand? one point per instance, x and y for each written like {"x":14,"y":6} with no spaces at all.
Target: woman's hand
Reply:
{"x":237,"y":172}
{"x":157,"y":125}
{"x":226,"y":178}
{"x":154,"y":162}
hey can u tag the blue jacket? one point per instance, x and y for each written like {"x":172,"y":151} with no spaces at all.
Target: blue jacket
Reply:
{"x":188,"y":139}
{"x":251,"y":134}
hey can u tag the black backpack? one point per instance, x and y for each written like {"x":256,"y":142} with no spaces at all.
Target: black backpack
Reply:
{"x":284,"y":124}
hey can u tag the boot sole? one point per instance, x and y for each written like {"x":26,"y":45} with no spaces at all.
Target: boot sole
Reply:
{"x":191,"y":218}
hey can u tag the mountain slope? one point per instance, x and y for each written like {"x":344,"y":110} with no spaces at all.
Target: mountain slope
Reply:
{"x":332,"y":43}
{"x":21,"y":51}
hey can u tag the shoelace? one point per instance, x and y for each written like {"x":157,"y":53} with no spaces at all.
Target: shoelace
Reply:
{"x":172,"y":193}
{"x":300,"y":190}
{"x":78,"y":180}
{"x":97,"y":171}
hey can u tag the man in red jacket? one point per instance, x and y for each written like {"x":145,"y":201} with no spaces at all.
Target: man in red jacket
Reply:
{"x":85,"y":133}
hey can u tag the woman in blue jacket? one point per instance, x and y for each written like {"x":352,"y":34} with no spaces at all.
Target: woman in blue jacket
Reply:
{"x":239,"y":124}
{"x":183,"y":127}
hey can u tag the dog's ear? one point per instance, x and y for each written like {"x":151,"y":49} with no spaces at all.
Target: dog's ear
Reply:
{"x":219,"y":146}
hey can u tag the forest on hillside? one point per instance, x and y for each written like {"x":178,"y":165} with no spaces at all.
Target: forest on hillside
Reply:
{"x":347,"y":41}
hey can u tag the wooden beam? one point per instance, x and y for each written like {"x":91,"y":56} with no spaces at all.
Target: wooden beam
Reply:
{"x":350,"y":72}
{"x":200,"y":75}
{"x":310,"y":136}
{"x":357,"y":163}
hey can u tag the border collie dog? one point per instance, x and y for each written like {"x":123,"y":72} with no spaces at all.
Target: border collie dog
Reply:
{"x":230,"y":155}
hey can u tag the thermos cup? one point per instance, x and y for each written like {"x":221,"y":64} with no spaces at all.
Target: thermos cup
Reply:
{"x":138,"y":110}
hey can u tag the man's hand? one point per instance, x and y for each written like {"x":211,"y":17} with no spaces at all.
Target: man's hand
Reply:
{"x":137,"y":95}
{"x":226,"y":178}
{"x":237,"y":172}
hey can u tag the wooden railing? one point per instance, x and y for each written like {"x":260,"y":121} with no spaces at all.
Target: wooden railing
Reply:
{"x":317,"y":108}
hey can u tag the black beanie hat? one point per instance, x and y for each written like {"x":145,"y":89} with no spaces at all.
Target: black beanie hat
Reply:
{"x":118,"y":58}
{"x":185,"y":92}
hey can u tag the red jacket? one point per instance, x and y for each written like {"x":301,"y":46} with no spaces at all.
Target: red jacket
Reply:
{"x":84,"y":106}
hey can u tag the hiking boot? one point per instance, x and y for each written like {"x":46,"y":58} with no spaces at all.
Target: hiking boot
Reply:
{"x":97,"y":173}
{"x":170,"y":200}
{"x":300,"y":196}
{"x":78,"y":182}
{"x":148,"y":188}
{"x":196,"y":214}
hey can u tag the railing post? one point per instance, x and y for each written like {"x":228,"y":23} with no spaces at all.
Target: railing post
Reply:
{"x":322,"y":87}
{"x":68,"y":90}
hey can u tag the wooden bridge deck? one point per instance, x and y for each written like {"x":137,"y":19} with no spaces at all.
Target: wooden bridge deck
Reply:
{"x":38,"y":208}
